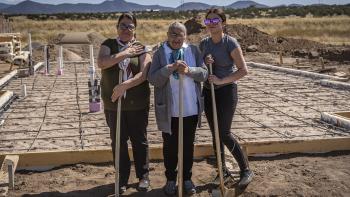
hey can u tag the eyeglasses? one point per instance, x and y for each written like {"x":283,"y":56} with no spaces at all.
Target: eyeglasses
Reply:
{"x":175,"y":35}
{"x":213,"y":21}
{"x":123,"y":26}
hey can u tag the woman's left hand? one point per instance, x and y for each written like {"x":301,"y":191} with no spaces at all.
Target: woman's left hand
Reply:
{"x":183,"y":68}
{"x":118,"y":91}
{"x":214,"y":79}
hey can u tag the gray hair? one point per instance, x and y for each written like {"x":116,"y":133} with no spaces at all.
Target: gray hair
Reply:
{"x":177,"y":25}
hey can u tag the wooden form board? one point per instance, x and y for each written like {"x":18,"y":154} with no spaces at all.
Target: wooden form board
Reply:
{"x":8,"y":77}
{"x":339,"y":119}
{"x":13,"y":73}
{"x":296,"y":72}
{"x":345,"y":115}
{"x":47,"y":160}
{"x":5,"y":96}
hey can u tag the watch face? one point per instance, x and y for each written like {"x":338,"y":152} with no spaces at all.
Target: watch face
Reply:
{"x":148,"y":49}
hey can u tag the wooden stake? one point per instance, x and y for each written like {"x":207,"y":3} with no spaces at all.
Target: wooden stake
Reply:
{"x":322,"y":62}
{"x":11,"y":66}
{"x":281,"y":57}
{"x":12,"y":162}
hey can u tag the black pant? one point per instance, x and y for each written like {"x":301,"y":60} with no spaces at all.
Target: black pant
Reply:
{"x":133,"y":126}
{"x":170,"y":147}
{"x":226,"y":102}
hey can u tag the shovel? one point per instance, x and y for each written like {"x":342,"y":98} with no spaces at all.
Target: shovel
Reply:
{"x":117,"y":141}
{"x":180,"y":138}
{"x":223,"y":192}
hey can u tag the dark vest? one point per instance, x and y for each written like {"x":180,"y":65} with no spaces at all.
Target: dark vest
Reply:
{"x":137,"y":97}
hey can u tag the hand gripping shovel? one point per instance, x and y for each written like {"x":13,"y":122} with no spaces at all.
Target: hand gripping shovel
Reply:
{"x":117,"y":141}
{"x":180,"y":139}
{"x":223,"y":192}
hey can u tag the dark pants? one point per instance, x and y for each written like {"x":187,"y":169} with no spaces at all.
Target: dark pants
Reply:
{"x":170,"y":147}
{"x":226,"y":102}
{"x":133,"y":126}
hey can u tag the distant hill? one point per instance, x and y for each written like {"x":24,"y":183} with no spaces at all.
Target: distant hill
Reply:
{"x":31,"y":7}
{"x":295,"y":5}
{"x":290,"y":5}
{"x":193,"y":6}
{"x":245,"y":4}
{"x":4,"y":6}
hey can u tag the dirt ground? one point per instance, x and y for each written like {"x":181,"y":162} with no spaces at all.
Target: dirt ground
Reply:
{"x":286,"y":175}
{"x":261,"y":47}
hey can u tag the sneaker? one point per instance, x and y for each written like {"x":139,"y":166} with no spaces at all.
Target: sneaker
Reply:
{"x":227,"y":177}
{"x":189,"y":187}
{"x":122,"y":189}
{"x":246,"y":178}
{"x":170,"y":188}
{"x":143,"y":185}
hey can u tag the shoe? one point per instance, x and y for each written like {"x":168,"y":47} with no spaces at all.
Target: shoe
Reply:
{"x":227,"y":177}
{"x":170,"y":188}
{"x":143,"y":185}
{"x":246,"y":178}
{"x":189,"y":187}
{"x":122,"y":189}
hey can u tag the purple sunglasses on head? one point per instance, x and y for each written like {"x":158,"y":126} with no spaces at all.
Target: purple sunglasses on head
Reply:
{"x":214,"y":21}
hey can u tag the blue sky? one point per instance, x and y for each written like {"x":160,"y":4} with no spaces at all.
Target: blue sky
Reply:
{"x":177,"y":2}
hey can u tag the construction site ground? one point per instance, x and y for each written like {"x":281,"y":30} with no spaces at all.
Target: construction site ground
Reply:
{"x":273,"y":106}
{"x":287,"y":175}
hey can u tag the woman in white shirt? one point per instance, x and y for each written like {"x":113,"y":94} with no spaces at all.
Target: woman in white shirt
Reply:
{"x":175,"y":57}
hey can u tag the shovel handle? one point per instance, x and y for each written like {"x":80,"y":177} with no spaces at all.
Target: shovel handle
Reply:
{"x":180,"y":138}
{"x":117,"y":140}
{"x":216,"y":133}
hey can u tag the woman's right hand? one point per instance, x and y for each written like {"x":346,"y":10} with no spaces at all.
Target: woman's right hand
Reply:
{"x":209,"y":60}
{"x":174,"y":66}
{"x":134,"y":50}
{"x":118,"y":91}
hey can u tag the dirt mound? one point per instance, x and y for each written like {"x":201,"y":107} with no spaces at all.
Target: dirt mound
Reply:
{"x":71,"y":56}
{"x":194,"y":25}
{"x":77,"y":52}
{"x":248,"y":36}
{"x":252,"y":39}
{"x":93,"y":38}
{"x":96,"y":39}
{"x":35,"y":45}
{"x":68,"y":54}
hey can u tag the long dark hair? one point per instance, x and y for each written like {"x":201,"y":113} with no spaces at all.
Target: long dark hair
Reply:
{"x":128,"y":15}
{"x":217,"y":11}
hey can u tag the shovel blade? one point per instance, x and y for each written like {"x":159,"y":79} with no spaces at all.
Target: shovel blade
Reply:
{"x":227,"y":193}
